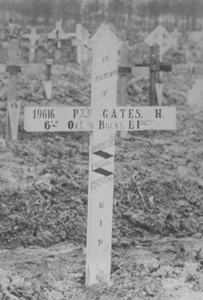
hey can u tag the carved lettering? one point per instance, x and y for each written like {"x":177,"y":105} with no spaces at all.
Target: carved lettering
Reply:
{"x":106,"y":75}
{"x":131,"y":124}
{"x":101,"y":204}
{"x":103,"y":94}
{"x":75,"y":112}
{"x":100,"y":242}
{"x":158,"y":113}
{"x":105,"y":59}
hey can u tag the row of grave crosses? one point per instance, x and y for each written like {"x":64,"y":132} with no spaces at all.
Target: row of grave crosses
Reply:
{"x":102,"y":119}
{"x":14,"y":68}
{"x":159,"y":42}
{"x":57,"y":36}
{"x":53,"y":42}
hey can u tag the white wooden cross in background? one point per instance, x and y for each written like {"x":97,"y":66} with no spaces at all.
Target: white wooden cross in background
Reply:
{"x":33,"y":38}
{"x":103,"y":119}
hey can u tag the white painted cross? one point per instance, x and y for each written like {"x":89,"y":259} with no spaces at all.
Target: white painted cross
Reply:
{"x":58,"y":35}
{"x":103,"y":119}
{"x":13,"y":107}
{"x":162,"y":38}
{"x":41,"y":46}
{"x":81,"y":42}
{"x":175,"y":35}
{"x":33,"y":37}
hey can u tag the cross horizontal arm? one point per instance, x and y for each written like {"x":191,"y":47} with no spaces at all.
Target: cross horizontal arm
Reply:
{"x":54,"y":119}
{"x":160,"y":66}
{"x":18,"y":68}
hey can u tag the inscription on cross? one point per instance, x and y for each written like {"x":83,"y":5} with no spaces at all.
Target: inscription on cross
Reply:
{"x":103,"y":119}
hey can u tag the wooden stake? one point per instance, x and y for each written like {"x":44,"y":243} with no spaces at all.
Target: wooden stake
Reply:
{"x":123,"y":80}
{"x":13,"y":108}
{"x":48,"y":83}
{"x":153,"y":60}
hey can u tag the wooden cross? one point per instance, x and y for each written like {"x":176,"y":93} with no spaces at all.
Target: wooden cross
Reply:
{"x":195,"y":95}
{"x":81,"y":41}
{"x":41,"y":46}
{"x":13,"y":107}
{"x":11,"y":27}
{"x":103,"y":119}
{"x":48,"y":83}
{"x":155,"y":66}
{"x":176,"y":35}
{"x":13,"y":67}
{"x":33,"y":37}
{"x":58,"y":35}
{"x":160,"y":36}
{"x":124,"y":69}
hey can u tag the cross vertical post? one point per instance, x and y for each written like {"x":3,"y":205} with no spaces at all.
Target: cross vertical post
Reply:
{"x":101,"y":164}
{"x":48,"y":83}
{"x":195,"y":95}
{"x":124,"y":70}
{"x":82,"y":49}
{"x":40,"y":47}
{"x":13,"y":107}
{"x":57,"y":46}
{"x":176,"y":35}
{"x":79,"y":45}
{"x":33,"y":37}
{"x":153,"y":73}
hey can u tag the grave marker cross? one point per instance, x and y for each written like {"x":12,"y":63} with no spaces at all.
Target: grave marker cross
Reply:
{"x":48,"y":83}
{"x":33,"y":37}
{"x":13,"y":67}
{"x":103,"y":119}
{"x":58,"y":35}
{"x":160,"y":36}
{"x":155,"y":66}
{"x":195,"y":95}
{"x":13,"y":107}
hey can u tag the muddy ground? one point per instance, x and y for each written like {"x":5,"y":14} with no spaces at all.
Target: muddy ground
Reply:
{"x":158,"y":200}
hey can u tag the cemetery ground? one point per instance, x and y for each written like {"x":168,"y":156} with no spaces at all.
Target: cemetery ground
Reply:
{"x":158,"y":201}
